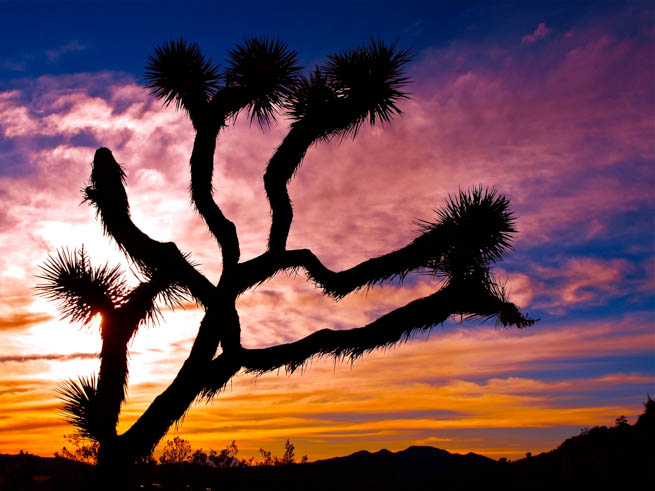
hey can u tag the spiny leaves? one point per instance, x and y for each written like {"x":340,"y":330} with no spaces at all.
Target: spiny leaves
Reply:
{"x":268,"y":70}
{"x":141,"y":303}
{"x":371,"y":78}
{"x":357,"y":85}
{"x":311,"y":96}
{"x":80,"y":289}
{"x":477,"y":226}
{"x":178,"y":73}
{"x":81,"y":405}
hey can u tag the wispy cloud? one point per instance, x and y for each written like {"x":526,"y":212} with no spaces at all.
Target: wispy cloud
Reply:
{"x":48,"y":357}
{"x":21,"y":320}
{"x":539,"y":33}
{"x":53,"y":55}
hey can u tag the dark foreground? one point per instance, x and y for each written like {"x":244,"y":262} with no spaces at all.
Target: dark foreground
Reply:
{"x":621,"y":457}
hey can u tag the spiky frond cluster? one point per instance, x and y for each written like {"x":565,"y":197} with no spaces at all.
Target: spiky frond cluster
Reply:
{"x":478,"y":226}
{"x":371,"y":78}
{"x":311,"y":97}
{"x":80,"y":289}
{"x":80,"y":406}
{"x":268,"y":70}
{"x":358,"y":85}
{"x":178,"y":73}
{"x":143,"y":301}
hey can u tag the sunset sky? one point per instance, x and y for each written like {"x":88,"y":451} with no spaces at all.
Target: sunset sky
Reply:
{"x":552,"y":103}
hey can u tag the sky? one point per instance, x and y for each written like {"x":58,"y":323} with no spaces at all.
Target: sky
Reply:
{"x":551,"y":103}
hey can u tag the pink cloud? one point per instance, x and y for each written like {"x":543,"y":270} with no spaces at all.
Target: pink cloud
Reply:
{"x":584,"y":280}
{"x":539,"y":33}
{"x":574,"y":282}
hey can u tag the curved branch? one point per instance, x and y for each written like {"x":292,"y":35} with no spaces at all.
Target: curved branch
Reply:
{"x":357,"y":85}
{"x":225,"y":103}
{"x":107,"y":192}
{"x":202,"y":169}
{"x":391,"y":328}
{"x":279,"y":171}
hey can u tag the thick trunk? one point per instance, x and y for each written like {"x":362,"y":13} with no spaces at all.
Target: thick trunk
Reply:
{"x":220,"y":324}
{"x":112,"y":377}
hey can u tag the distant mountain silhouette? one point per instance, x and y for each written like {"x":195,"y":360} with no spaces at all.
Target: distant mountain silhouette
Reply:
{"x":415,"y":466}
{"x":620,"y":457}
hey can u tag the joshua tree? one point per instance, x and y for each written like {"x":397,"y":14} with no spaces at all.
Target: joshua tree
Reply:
{"x":262,"y":77}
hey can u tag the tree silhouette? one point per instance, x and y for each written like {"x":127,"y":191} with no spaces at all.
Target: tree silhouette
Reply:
{"x":262,"y":78}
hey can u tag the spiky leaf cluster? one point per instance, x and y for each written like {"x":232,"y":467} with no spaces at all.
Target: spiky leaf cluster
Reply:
{"x":358,"y":85}
{"x":178,"y":73}
{"x":268,"y":70}
{"x":80,"y":406}
{"x":311,"y":97}
{"x":142,"y":301}
{"x":478,"y":227}
{"x":80,"y":289}
{"x":371,"y":78}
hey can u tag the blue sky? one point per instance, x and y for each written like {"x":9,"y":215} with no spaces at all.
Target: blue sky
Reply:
{"x":71,"y":37}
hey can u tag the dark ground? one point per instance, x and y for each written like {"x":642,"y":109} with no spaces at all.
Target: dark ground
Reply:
{"x":621,"y":458}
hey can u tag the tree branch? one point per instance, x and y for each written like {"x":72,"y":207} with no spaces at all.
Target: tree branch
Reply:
{"x":202,"y":168}
{"x":107,"y":193}
{"x":226,"y":102}
{"x":279,"y":171}
{"x":391,"y":328}
{"x":191,"y":380}
{"x":471,"y":232}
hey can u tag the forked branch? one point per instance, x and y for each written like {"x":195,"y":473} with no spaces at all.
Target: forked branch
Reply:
{"x":106,"y":192}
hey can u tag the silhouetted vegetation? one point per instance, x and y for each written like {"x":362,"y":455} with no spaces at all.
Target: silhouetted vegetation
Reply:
{"x":618,"y":457}
{"x":261,"y":78}
{"x":82,"y":450}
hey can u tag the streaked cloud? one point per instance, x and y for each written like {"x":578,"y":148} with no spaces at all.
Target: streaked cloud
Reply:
{"x":22,"y":319}
{"x":52,"y":356}
{"x":54,"y":54}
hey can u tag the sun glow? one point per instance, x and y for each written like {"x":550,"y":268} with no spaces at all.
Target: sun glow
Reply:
{"x":95,"y":322}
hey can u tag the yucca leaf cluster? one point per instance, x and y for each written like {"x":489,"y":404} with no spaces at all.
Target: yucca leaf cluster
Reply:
{"x":351,"y":88}
{"x":80,"y":289}
{"x":476,"y":228}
